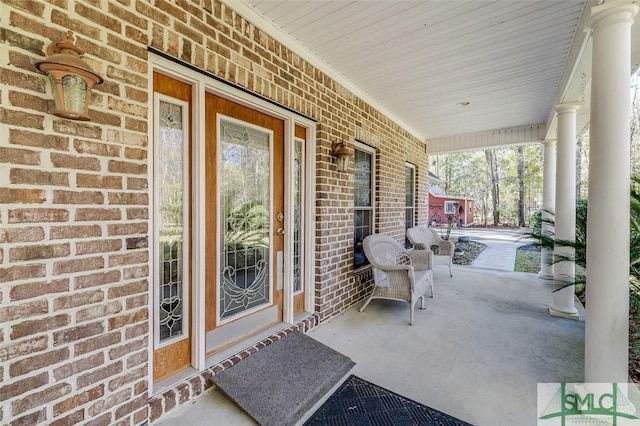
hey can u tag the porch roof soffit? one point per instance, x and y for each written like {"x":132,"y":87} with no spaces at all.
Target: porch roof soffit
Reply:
{"x":568,"y":81}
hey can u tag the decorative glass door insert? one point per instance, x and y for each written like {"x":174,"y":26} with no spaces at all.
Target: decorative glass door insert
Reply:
{"x":245,"y":282}
{"x":171,"y":181}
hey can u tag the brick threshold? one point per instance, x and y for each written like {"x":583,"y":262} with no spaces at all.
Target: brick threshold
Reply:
{"x":188,"y":389}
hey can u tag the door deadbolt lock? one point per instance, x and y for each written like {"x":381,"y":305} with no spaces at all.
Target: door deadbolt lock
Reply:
{"x":280,"y":217}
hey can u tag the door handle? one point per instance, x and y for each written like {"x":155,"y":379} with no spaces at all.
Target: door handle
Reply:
{"x":280,"y":231}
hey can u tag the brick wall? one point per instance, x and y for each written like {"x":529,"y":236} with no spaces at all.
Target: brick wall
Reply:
{"x":74,"y":196}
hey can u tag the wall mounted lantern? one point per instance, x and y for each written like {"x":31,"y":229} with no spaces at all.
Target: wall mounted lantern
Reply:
{"x":73,"y":79}
{"x":342,"y":155}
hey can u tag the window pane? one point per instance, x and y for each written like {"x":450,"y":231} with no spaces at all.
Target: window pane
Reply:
{"x":363,"y":225}
{"x":409,"y":185}
{"x":362,"y":179}
{"x":297,"y":220}
{"x":170,"y":194}
{"x":245,"y":211}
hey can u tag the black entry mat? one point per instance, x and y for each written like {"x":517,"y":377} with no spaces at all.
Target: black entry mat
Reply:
{"x":279,"y":384}
{"x":361,"y":403}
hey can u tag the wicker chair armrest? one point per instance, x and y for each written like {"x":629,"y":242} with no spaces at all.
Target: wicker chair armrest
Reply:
{"x":401,"y":278}
{"x":421,"y":259}
{"x":392,"y":268}
{"x":420,"y":246}
{"x":446,"y":247}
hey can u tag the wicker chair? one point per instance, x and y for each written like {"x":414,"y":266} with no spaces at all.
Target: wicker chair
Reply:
{"x":424,"y":238}
{"x":398,"y":274}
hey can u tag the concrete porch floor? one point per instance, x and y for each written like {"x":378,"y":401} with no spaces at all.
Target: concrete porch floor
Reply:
{"x":477,"y":352}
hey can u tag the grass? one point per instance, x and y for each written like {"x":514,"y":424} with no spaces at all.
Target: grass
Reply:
{"x":527,"y":259}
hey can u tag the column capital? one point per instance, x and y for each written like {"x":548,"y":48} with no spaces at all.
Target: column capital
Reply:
{"x":612,"y":12}
{"x":567,"y":107}
{"x":549,"y":142}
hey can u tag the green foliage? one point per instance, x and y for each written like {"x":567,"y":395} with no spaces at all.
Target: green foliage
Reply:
{"x":248,"y":226}
{"x":536,"y":221}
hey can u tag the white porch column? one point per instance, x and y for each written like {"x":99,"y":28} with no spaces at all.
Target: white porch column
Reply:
{"x":548,"y":204}
{"x":565,"y":214}
{"x":607,"y":323}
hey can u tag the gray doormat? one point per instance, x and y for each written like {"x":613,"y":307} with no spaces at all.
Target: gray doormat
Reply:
{"x":361,"y":403}
{"x":280,"y":383}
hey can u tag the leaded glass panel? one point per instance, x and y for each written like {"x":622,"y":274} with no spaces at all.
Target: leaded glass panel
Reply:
{"x":297,"y":219}
{"x":171,"y":181}
{"x":245,"y":197}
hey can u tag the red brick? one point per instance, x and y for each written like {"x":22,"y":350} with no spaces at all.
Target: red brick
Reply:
{"x":100,"y":374}
{"x":77,"y":197}
{"x":75,"y":231}
{"x":128,"y":378}
{"x":127,"y":228}
{"x":19,"y":156}
{"x":136,"y":331}
{"x":29,"y":6}
{"x":97,"y":214}
{"x":49,"y":251}
{"x":141,"y":416}
{"x":97,"y":343}
{"x":131,"y":198}
{"x":137,"y":213}
{"x":137,"y":301}
{"x":27,"y":328}
{"x":103,"y":420}
{"x":129,"y":318}
{"x":40,"y":398}
{"x":65,"y":161}
{"x":34,"y":418}
{"x":30,"y":290}
{"x":127,"y":167}
{"x":135,"y":272}
{"x":78,"y":299}
{"x":38,"y":215}
{"x":27,"y":101}
{"x":80,"y":129}
{"x":131,"y":406}
{"x":93,"y":280}
{"x":128,"y":289}
{"x":78,"y":265}
{"x":38,"y":140}
{"x":38,"y":177}
{"x":97,"y":181}
{"x":24,"y":310}
{"x":137,"y":184}
{"x":76,"y":333}
{"x":99,"y":246}
{"x":128,"y":258}
{"x":135,"y":153}
{"x":21,"y":272}
{"x":23,"y":347}
{"x":78,"y":400}
{"x":24,"y":80}
{"x":71,"y":419}
{"x":142,"y":385}
{"x":96,"y":148}
{"x":98,"y":311}
{"x":27,"y":234}
{"x":78,"y":366}
{"x":36,"y":362}
{"x":137,"y":359}
{"x":155,"y":409}
{"x":22,"y":196}
{"x":19,"y":387}
{"x":129,"y":347}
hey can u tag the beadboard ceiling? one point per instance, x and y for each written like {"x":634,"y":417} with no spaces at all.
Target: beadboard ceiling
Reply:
{"x":421,"y":61}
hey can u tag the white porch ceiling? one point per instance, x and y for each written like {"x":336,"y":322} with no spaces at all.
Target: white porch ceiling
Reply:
{"x":417,"y":61}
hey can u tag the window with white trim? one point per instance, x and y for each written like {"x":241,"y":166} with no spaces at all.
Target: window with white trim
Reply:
{"x":364,"y":200}
{"x":410,"y":199}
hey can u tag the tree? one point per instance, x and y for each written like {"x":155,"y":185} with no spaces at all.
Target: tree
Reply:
{"x":494,"y":179}
{"x":520,"y":157}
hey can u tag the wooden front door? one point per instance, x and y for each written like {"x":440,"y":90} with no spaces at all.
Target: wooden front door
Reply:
{"x":244,"y":222}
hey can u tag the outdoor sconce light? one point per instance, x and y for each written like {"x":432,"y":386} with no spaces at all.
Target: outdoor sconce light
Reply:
{"x":73,"y":79}
{"x":341,"y":153}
